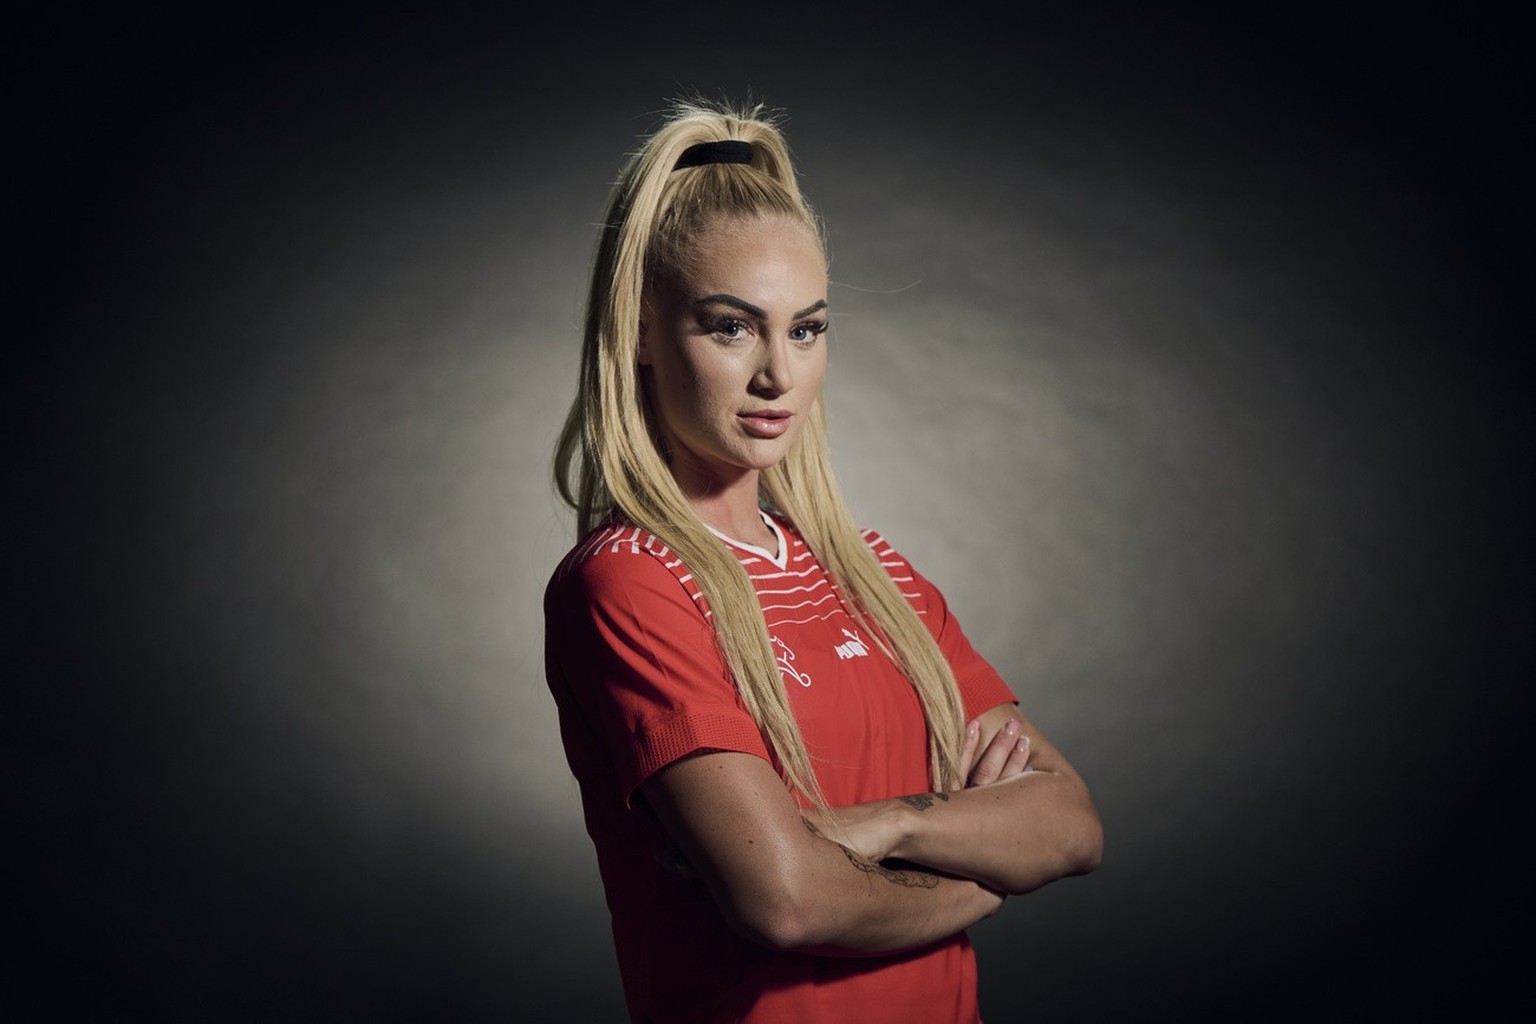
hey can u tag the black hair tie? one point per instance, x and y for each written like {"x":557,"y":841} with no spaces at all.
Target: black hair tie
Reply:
{"x":728,"y":151}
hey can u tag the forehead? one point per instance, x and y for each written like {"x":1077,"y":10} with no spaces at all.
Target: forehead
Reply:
{"x":768,"y":256}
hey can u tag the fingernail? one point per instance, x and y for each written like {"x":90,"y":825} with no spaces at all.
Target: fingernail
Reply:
{"x":971,"y":727}
{"x":1023,"y":743}
{"x":1013,"y":725}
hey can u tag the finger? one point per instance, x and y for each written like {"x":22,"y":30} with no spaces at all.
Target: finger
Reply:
{"x":1018,"y":759}
{"x":968,"y":751}
{"x":990,"y":765}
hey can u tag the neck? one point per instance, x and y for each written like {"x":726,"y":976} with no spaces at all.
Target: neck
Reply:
{"x":728,"y":505}
{"x":735,"y":514}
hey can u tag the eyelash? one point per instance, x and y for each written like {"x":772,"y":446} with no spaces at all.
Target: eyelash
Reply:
{"x":723,"y":328}
{"x":816,"y":329}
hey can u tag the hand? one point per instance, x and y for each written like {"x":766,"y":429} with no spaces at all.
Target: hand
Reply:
{"x":873,"y":831}
{"x":1005,"y":756}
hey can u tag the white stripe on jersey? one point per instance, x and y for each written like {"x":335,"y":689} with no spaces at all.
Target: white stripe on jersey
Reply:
{"x":800,"y":569}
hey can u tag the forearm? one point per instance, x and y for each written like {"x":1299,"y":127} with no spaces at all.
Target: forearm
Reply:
{"x":781,"y":882}
{"x":1025,"y":819}
{"x":864,"y":907}
{"x":1013,"y":836}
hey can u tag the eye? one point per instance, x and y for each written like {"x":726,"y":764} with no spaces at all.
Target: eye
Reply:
{"x":730,"y":329}
{"x":805,"y":334}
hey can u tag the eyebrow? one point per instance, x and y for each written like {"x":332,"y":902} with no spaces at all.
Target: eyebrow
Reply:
{"x":751,"y":310}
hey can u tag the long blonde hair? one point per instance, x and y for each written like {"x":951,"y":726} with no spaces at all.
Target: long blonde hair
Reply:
{"x":608,"y":460}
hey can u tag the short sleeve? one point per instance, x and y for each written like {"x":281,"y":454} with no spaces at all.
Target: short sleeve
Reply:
{"x":632,"y":662}
{"x":981,"y":686}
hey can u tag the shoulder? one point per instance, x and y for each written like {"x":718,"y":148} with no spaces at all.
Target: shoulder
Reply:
{"x":615,"y":546}
{"x":621,"y":561}
{"x":891,"y":559}
{"x":913,"y":586}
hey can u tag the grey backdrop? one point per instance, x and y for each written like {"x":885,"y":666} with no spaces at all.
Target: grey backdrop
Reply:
{"x":1181,"y":351}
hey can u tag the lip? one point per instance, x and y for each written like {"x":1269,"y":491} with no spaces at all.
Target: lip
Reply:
{"x":766,"y":423}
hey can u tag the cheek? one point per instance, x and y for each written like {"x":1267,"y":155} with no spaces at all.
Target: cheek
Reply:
{"x":676,"y":376}
{"x":816,"y":372}
{"x":686,"y":385}
{"x":709,"y":380}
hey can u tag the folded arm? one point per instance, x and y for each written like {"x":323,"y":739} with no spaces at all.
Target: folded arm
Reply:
{"x":780,"y":881}
{"x":1013,"y":829}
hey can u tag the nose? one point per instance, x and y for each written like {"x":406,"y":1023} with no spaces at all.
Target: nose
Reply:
{"x":774,"y":375}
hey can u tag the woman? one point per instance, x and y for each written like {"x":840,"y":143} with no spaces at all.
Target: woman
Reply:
{"x":802,"y":783}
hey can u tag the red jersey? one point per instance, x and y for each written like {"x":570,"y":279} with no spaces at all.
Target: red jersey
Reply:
{"x":638,"y":680}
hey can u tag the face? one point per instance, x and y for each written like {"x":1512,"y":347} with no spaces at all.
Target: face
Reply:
{"x":736,"y":350}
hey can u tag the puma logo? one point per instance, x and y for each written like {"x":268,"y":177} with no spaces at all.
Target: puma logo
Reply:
{"x":854,"y":648}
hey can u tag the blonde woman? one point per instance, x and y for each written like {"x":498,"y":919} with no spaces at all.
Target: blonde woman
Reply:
{"x":801,"y":781}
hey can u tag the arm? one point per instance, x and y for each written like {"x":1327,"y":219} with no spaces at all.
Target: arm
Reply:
{"x":781,"y":883}
{"x":1010,"y":829}
{"x":1013,"y":835}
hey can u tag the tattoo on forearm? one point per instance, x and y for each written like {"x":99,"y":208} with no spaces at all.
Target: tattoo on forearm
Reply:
{"x":922,"y":801}
{"x":905,"y":877}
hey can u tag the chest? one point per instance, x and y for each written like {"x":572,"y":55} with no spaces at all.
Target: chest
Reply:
{"x":862,"y":722}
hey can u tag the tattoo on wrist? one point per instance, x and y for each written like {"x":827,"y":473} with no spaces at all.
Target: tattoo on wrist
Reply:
{"x":922,"y":801}
{"x":896,"y":876}
{"x":906,"y":877}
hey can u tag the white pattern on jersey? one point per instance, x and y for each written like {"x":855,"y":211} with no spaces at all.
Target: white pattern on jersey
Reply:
{"x":798,"y":593}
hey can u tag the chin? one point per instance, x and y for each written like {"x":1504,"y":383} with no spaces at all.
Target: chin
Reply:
{"x":768,"y":454}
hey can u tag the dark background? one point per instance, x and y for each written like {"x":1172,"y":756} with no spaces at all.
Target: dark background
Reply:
{"x":1183,"y":349}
